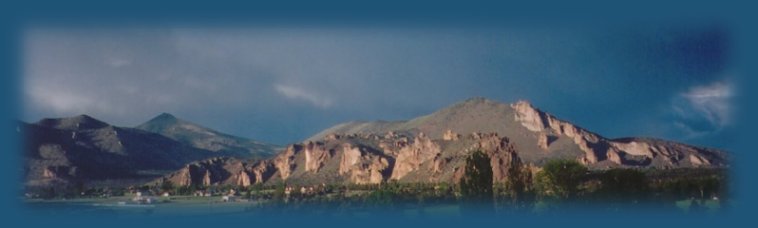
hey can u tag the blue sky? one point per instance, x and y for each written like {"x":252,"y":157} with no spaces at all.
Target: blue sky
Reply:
{"x":283,"y":84}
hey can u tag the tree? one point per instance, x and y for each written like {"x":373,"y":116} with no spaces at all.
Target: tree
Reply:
{"x":279,"y":192}
{"x":518,"y":179}
{"x":560,"y":178}
{"x":476,"y":185}
{"x":185,"y":190}
{"x":167,"y":185}
{"x":623,"y":185}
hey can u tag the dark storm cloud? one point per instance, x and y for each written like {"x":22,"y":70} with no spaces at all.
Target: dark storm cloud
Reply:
{"x":284,"y":84}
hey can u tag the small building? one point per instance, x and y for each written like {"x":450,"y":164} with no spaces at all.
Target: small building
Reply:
{"x":201,"y":193}
{"x":144,"y":200}
{"x":141,"y":197}
{"x":288,"y":190}
{"x":228,"y":199}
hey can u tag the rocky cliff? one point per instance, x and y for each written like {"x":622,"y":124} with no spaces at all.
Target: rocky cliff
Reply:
{"x":359,"y":159}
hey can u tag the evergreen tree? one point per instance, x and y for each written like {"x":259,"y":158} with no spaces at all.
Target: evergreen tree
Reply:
{"x":560,"y":178}
{"x":476,"y":185}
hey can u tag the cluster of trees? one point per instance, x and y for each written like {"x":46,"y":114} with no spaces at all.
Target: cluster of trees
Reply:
{"x":568,"y":182}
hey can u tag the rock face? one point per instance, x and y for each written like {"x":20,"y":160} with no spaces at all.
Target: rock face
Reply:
{"x":350,"y":156}
{"x":262,"y":171}
{"x":315,"y":156}
{"x":450,"y":136}
{"x":411,"y":156}
{"x":214,"y":171}
{"x":538,"y":121}
{"x":502,"y":155}
{"x":543,"y":141}
{"x":285,"y":161}
{"x":362,"y":167}
{"x":529,"y":117}
{"x":243,"y":179}
{"x":357,"y":159}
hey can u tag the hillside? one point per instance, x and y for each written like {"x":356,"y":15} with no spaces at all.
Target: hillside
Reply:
{"x":433,"y":148}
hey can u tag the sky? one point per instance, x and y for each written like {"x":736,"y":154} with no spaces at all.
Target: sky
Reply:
{"x":284,"y":84}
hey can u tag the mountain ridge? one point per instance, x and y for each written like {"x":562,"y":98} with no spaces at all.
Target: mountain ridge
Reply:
{"x":82,"y":149}
{"x":433,"y":147}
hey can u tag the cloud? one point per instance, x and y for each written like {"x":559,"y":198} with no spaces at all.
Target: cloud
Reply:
{"x":703,"y":109}
{"x":297,"y":93}
{"x":118,"y":62}
{"x":63,"y":101}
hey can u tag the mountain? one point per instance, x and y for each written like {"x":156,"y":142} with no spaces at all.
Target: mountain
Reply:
{"x":540,"y":136}
{"x":205,"y":138}
{"x":83,"y":150}
{"x":433,"y":148}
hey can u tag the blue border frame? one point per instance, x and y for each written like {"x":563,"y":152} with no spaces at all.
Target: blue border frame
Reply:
{"x":15,"y":17}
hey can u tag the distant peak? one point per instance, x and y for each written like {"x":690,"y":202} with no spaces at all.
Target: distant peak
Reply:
{"x":165,"y":116}
{"x":79,"y":122}
{"x":162,"y":119}
{"x":83,"y":117}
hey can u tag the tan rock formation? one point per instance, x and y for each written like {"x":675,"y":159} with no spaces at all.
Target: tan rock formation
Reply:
{"x":207,"y":178}
{"x":370,"y":172}
{"x":528,"y":116}
{"x":361,"y":167}
{"x":634,"y":148}
{"x":262,"y":171}
{"x":285,"y":161}
{"x":243,"y":179}
{"x":315,"y":156}
{"x":184,"y":177}
{"x":350,"y":156}
{"x":698,"y":161}
{"x":413,"y":155}
{"x":536,"y":120}
{"x":450,"y":135}
{"x":542,"y":141}
{"x":439,"y":164}
{"x":614,"y":156}
{"x":502,"y":154}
